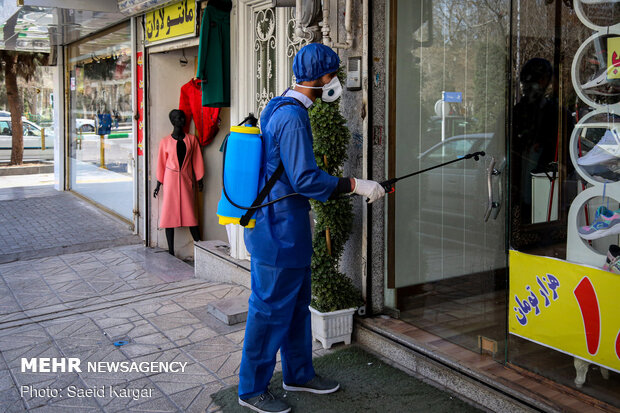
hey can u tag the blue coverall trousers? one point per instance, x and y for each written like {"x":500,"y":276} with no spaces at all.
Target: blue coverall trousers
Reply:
{"x":278,"y":318}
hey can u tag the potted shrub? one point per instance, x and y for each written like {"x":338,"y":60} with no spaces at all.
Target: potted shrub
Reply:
{"x":334,"y":298}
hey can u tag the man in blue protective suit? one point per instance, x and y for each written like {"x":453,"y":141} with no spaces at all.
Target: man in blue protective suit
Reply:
{"x":281,"y":241}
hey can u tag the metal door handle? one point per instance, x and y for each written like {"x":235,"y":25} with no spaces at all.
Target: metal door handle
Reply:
{"x":498,"y":205}
{"x":497,"y":172}
{"x":491,"y":204}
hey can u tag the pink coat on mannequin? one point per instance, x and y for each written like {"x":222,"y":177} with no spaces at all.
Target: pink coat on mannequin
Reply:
{"x":177,"y":209}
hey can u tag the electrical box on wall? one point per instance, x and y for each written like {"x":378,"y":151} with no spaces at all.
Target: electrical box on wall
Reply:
{"x":354,"y":73}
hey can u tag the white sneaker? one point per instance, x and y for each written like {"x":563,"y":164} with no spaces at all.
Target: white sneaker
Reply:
{"x":607,"y":149}
{"x":600,"y":85}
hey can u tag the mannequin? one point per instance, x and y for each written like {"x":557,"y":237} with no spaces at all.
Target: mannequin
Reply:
{"x":179,"y":162}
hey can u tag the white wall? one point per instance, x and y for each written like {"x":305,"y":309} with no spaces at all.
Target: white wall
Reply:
{"x":165,"y":77}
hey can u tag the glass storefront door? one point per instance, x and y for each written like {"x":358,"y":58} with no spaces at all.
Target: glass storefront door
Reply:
{"x":447,"y":226}
{"x":100,"y":84}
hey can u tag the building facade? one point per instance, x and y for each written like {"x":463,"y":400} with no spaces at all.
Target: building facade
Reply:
{"x":502,"y":255}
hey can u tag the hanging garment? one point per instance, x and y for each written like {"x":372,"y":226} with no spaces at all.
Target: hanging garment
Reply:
{"x":177,"y":208}
{"x":214,"y":57}
{"x":205,"y":118}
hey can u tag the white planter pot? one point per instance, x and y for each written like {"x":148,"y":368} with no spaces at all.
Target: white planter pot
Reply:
{"x":332,"y":327}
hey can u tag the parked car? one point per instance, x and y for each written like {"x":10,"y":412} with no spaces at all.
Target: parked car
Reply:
{"x":455,"y":126}
{"x":85,"y":125}
{"x":455,"y":147}
{"x":32,"y":141}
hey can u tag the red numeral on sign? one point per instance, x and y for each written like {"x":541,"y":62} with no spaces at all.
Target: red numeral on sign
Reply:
{"x":618,"y":345}
{"x":588,"y":304}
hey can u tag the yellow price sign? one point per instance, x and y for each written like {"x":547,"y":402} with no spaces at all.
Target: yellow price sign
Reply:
{"x":567,"y":307}
{"x":178,"y":19}
{"x":613,"y":58}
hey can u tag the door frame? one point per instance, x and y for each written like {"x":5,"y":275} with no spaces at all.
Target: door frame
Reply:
{"x":391,"y":147}
{"x":243,"y":76}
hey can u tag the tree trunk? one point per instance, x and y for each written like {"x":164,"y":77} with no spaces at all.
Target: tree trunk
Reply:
{"x":15,"y":107}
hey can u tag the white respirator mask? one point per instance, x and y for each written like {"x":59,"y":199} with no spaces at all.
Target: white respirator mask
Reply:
{"x":331,"y":91}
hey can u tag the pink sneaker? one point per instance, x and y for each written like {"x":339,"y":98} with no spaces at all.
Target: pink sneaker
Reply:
{"x":612,"y":263}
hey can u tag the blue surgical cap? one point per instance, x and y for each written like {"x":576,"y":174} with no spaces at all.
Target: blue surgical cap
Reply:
{"x":314,"y":61}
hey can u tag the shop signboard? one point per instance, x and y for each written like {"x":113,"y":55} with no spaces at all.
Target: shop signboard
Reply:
{"x":567,"y":307}
{"x":171,"y":22}
{"x":613,"y":58}
{"x":453,"y":97}
{"x":140,"y":100}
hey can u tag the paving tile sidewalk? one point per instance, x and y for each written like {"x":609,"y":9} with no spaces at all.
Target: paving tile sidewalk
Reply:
{"x":39,"y":222}
{"x":78,"y":305}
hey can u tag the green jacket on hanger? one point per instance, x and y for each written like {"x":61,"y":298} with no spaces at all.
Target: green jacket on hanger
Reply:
{"x":214,"y":54}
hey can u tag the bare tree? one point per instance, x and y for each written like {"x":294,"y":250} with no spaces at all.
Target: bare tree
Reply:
{"x":24,"y":65}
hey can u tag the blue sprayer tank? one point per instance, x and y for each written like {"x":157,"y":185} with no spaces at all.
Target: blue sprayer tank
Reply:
{"x":242,"y":164}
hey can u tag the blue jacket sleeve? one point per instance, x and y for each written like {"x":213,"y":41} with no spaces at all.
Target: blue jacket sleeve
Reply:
{"x":300,"y":166}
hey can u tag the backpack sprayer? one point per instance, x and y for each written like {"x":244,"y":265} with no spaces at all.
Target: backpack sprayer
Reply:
{"x":242,"y":151}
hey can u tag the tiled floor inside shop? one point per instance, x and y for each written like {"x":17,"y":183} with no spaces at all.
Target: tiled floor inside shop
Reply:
{"x":451,"y":317}
{"x":556,"y":396}
{"x":460,"y":309}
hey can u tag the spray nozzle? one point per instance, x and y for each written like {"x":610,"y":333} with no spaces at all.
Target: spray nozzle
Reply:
{"x":250,"y":120}
{"x":475,"y":155}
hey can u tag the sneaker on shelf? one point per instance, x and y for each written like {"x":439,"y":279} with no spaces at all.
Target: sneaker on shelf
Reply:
{"x":318,"y":385}
{"x":612,"y":263}
{"x":600,"y":84}
{"x":265,"y":403}
{"x":604,"y":172}
{"x":607,"y":149}
{"x":605,"y":223}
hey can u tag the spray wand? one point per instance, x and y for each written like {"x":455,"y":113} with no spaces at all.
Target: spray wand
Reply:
{"x":389,"y":184}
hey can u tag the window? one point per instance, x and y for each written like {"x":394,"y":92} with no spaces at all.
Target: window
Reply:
{"x":5,"y":128}
{"x":31,"y":130}
{"x":450,"y":149}
{"x":101,"y":84}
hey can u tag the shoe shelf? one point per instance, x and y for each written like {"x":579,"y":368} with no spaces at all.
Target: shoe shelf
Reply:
{"x":578,"y":249}
{"x":588,"y":21}
{"x":597,"y":88}
{"x":602,"y":163}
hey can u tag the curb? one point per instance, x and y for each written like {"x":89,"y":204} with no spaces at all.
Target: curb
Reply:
{"x":69,"y":249}
{"x":27,"y":170}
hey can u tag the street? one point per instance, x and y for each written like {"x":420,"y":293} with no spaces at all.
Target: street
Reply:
{"x":77,"y":305}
